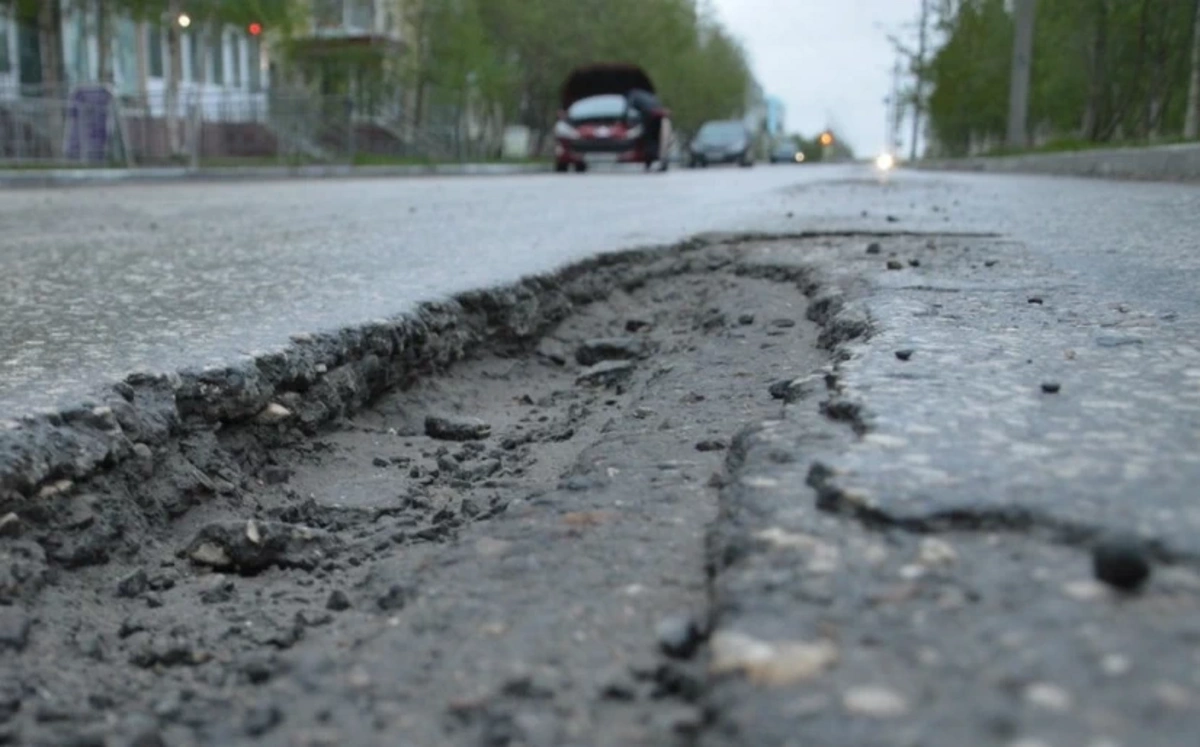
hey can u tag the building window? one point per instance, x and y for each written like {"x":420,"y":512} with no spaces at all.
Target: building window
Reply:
{"x":217,"y":53}
{"x":235,"y":61}
{"x":154,"y":52}
{"x":5,"y":46}
{"x":328,"y":13}
{"x":361,"y":15}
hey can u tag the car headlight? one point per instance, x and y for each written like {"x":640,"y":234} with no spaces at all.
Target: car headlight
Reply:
{"x":564,"y":130}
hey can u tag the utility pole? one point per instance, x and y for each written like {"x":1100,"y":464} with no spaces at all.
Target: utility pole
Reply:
{"x":897,"y":112}
{"x":1191,"y":124}
{"x":919,"y":93}
{"x":1022,"y":63}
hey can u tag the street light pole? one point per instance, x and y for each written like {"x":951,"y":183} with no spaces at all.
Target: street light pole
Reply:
{"x":1022,"y":59}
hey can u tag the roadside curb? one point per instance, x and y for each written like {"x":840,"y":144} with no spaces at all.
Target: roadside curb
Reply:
{"x":63,"y":177}
{"x":1167,"y":163}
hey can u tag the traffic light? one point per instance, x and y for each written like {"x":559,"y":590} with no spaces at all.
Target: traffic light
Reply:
{"x":255,"y":28}
{"x":826,"y":139}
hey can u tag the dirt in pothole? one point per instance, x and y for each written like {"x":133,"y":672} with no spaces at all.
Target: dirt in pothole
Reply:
{"x":503,"y":581}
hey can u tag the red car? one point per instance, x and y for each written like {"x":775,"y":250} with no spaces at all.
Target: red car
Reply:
{"x":596,"y":124}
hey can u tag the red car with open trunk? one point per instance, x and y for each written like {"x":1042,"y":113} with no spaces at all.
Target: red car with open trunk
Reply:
{"x":596,"y":124}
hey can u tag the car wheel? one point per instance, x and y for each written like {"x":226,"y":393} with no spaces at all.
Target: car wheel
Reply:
{"x":580,"y":168}
{"x":561,"y":167}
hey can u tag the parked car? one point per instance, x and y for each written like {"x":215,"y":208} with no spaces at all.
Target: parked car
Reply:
{"x":596,"y":124}
{"x":722,"y":141}
{"x":786,"y":153}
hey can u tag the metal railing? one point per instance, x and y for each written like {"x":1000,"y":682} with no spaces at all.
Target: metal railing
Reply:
{"x":95,"y":128}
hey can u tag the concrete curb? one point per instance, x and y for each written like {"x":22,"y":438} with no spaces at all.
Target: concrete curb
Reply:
{"x":1169,"y":163}
{"x":62,"y":177}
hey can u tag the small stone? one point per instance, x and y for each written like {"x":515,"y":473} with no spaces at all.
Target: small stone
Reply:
{"x":678,"y":636}
{"x":1121,"y":562}
{"x":14,"y":628}
{"x":1115,"y":665}
{"x":914,"y":262}
{"x":1051,"y":387}
{"x":447,"y":428}
{"x":275,"y":474}
{"x":1036,"y":300}
{"x":783,"y":323}
{"x":633,"y":325}
{"x":10,"y":525}
{"x":380,"y":462}
{"x":904,"y":354}
{"x":746,"y":319}
{"x":274,"y":413}
{"x":990,"y":262}
{"x":892,"y":219}
{"x":592,"y":352}
{"x":895,"y":264}
{"x":338,"y":601}
{"x":936,"y":551}
{"x":1049,"y":697}
{"x":770,"y":663}
{"x":714,"y":444}
{"x":874,"y":702}
{"x":608,"y":373}
{"x":133,"y":585}
{"x":142,"y":451}
{"x":874,"y":248}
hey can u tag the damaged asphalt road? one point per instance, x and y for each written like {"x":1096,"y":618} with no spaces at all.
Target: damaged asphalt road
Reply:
{"x":838,"y":489}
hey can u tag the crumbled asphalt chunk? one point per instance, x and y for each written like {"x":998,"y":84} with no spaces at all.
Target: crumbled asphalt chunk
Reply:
{"x":261,"y":719}
{"x":874,"y":248}
{"x":10,"y":525}
{"x":1051,"y":387}
{"x":380,"y":462}
{"x":14,"y":628}
{"x":783,"y":323}
{"x":745,"y":319}
{"x":904,"y":354}
{"x":592,"y":352}
{"x":250,"y":546}
{"x":276,"y":475}
{"x":990,"y":262}
{"x":337,"y":601}
{"x":714,"y":444}
{"x":914,"y":262}
{"x":788,"y":390}
{"x":448,"y":428}
{"x":608,"y":373}
{"x":1036,"y":300}
{"x":133,"y":585}
{"x":678,"y":635}
{"x":895,"y":264}
{"x":1121,"y":561}
{"x":634,"y":325}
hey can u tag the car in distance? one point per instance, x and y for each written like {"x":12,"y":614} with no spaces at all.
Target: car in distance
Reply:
{"x":786,"y":153}
{"x":721,"y":141}
{"x":597,"y":125}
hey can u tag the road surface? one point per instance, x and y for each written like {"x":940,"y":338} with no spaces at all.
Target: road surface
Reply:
{"x":865,"y":517}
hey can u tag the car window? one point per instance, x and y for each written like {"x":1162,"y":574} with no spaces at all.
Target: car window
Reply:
{"x":721,"y":132}
{"x":608,"y":106}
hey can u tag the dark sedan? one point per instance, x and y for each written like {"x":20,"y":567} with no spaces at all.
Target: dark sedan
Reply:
{"x":725,"y":141}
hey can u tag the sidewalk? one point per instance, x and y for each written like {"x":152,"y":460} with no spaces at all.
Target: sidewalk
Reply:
{"x":63,"y":177}
{"x":1158,"y":163}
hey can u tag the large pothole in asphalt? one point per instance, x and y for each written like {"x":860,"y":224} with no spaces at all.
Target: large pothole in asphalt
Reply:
{"x":480,"y":557}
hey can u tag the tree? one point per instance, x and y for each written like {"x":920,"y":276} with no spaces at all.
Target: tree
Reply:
{"x":1191,"y":127}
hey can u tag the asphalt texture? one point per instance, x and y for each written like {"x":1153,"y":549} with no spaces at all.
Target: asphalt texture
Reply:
{"x":917,"y":512}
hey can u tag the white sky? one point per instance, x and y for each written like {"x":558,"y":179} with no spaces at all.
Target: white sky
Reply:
{"x":828,"y":60}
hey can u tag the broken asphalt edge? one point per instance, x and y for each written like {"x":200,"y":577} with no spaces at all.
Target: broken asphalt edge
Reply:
{"x":316,"y":378}
{"x":65,"y":177}
{"x":1164,"y":163}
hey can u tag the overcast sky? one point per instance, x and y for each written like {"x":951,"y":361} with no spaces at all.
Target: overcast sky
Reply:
{"x":828,"y":60}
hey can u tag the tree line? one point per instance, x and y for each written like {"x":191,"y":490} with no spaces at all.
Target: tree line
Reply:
{"x":509,"y":56}
{"x":1103,"y":71}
